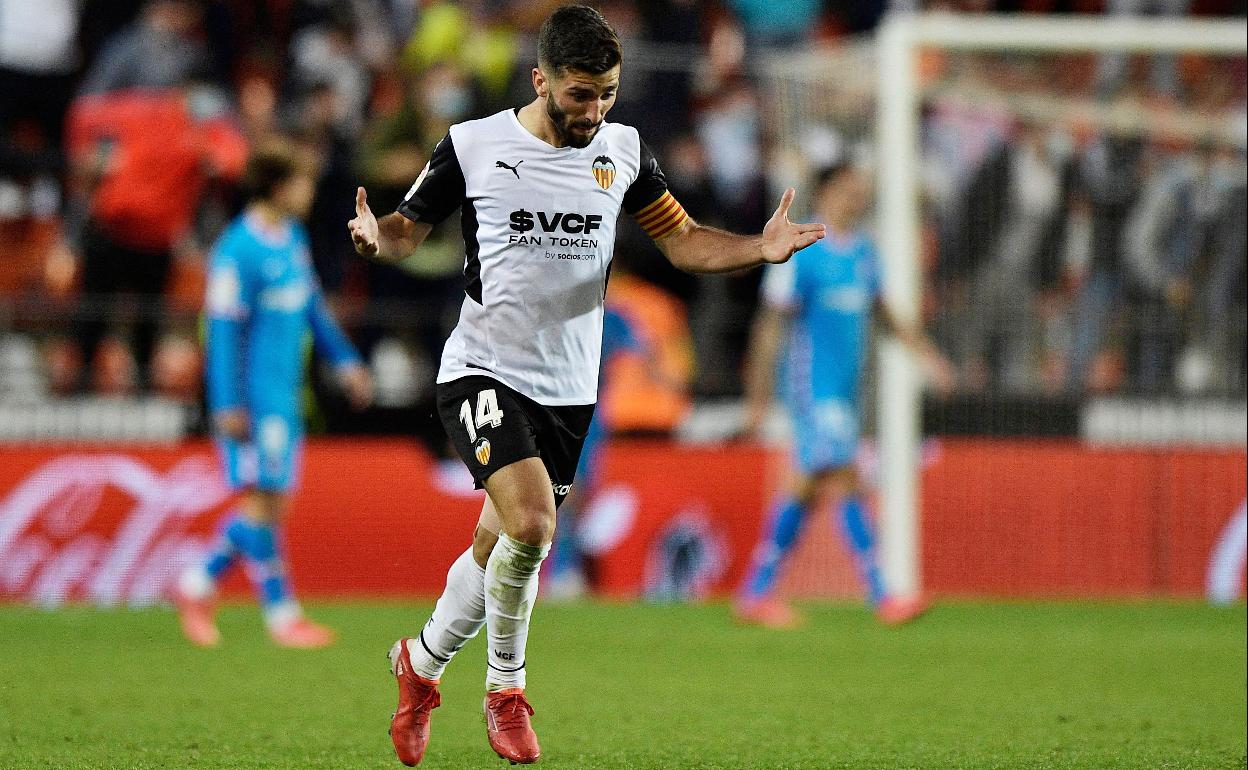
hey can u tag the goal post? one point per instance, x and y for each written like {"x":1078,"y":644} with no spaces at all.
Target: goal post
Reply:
{"x":898,"y":152}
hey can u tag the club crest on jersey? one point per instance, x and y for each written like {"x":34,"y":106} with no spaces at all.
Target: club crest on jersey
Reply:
{"x":604,"y":171}
{"x":482,"y":451}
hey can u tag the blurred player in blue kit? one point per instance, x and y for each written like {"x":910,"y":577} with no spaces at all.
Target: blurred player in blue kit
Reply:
{"x":263,"y":300}
{"x":818,"y":308}
{"x":572,"y":571}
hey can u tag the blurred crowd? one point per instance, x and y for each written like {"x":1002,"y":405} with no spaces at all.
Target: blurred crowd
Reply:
{"x":1087,"y":223}
{"x":1061,"y":259}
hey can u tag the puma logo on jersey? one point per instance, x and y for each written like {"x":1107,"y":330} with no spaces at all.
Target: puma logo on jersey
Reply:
{"x":513,"y":169}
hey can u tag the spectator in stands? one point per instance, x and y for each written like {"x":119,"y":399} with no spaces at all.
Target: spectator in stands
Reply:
{"x":326,"y":55}
{"x":38,"y":56}
{"x":160,"y":50}
{"x":1160,"y":241}
{"x":1164,"y":77}
{"x":778,"y":23}
{"x":1002,"y":334}
{"x":140,"y":160}
{"x":1221,"y":202}
{"x":1110,"y":177}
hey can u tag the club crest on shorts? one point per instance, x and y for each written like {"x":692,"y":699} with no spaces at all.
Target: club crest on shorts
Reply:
{"x":482,"y":450}
{"x":604,"y":171}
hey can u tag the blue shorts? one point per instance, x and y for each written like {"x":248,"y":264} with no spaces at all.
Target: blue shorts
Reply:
{"x":270,"y":461}
{"x":825,"y":434}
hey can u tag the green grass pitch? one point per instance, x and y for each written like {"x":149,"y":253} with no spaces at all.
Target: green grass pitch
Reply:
{"x":971,"y":685}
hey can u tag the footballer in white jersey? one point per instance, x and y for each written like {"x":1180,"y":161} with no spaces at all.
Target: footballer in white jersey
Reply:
{"x":539,"y":189}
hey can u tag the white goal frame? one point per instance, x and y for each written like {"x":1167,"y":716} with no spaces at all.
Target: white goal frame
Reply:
{"x":901,"y":37}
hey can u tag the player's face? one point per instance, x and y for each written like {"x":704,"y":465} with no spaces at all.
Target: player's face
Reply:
{"x":295,"y":196}
{"x":846,"y":198}
{"x":577,"y":103}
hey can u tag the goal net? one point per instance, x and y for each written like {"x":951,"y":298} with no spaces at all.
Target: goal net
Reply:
{"x":1061,"y":205}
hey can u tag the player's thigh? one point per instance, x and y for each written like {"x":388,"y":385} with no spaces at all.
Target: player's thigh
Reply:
{"x":488,"y":424}
{"x":269,"y":460}
{"x":564,"y":437}
{"x":825,"y":435}
{"x":278,"y":440}
{"x":522,"y":496}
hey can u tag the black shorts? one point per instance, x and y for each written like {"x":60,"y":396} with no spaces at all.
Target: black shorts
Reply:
{"x":493,"y":426}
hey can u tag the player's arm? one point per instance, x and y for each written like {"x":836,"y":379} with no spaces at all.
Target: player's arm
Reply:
{"x":228,"y":307}
{"x":392,"y":238}
{"x":331,"y":342}
{"x":438,"y":191}
{"x":940,"y":372}
{"x":697,"y":248}
{"x":771,"y":325}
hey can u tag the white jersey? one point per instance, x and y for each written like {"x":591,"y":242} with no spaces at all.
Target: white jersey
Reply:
{"x":539,"y":231}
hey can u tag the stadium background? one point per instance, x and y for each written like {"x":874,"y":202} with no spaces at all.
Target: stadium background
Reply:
{"x":1093,"y":447}
{"x":1082,"y":263}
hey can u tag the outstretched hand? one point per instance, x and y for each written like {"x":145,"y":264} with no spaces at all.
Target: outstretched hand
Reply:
{"x":364,"y":227}
{"x":782,"y":238}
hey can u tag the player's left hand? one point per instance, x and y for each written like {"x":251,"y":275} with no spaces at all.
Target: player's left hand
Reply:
{"x":782,"y":238}
{"x":358,"y":384}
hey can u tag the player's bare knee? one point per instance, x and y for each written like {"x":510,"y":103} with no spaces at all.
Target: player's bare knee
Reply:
{"x":533,"y":526}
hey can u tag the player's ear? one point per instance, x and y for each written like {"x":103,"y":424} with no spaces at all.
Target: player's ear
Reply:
{"x":540,"y":84}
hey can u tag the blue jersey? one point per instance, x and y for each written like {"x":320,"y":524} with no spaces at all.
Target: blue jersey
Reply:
{"x":829,"y":290}
{"x":263,"y":300}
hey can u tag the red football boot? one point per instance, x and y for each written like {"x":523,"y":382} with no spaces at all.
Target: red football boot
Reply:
{"x":507,"y":725}
{"x":409,"y":726}
{"x":896,"y":610}
{"x":302,"y":634}
{"x":197,"y":618}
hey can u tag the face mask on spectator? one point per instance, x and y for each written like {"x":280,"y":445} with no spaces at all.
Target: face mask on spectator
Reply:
{"x":449,"y":102}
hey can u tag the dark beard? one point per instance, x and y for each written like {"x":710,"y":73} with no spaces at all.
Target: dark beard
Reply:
{"x":560,"y":120}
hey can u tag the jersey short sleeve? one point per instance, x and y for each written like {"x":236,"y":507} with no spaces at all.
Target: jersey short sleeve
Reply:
{"x":779,"y":287}
{"x":227,"y":291}
{"x":649,"y":201}
{"x":439,"y":189}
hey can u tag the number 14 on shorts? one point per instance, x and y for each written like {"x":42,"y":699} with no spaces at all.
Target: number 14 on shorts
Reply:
{"x":488,"y":413}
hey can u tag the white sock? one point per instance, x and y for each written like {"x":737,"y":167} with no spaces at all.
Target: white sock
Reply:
{"x":457,"y":617}
{"x":511,"y":587}
{"x":282,"y":614}
{"x":194,"y":583}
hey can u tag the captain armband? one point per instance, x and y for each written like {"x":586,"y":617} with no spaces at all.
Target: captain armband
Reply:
{"x":661,"y":218}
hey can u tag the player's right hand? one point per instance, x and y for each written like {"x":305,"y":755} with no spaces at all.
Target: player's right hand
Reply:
{"x":364,"y":227}
{"x":232,"y":423}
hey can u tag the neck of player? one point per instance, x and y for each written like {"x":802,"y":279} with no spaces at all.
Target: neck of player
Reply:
{"x":536,"y":121}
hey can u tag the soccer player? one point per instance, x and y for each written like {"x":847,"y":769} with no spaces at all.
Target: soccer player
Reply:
{"x":539,"y":189}
{"x":826,"y":295}
{"x":570,"y":570}
{"x":263,"y":300}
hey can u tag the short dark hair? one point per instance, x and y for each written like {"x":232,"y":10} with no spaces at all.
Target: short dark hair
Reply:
{"x":832,"y":172}
{"x":577,"y":37}
{"x":269,"y":167}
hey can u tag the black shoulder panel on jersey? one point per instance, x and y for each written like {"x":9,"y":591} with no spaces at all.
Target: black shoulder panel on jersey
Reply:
{"x":442,"y":189}
{"x":649,"y":185}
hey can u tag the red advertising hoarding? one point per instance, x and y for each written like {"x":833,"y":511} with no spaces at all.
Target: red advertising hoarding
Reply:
{"x":381,"y":518}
